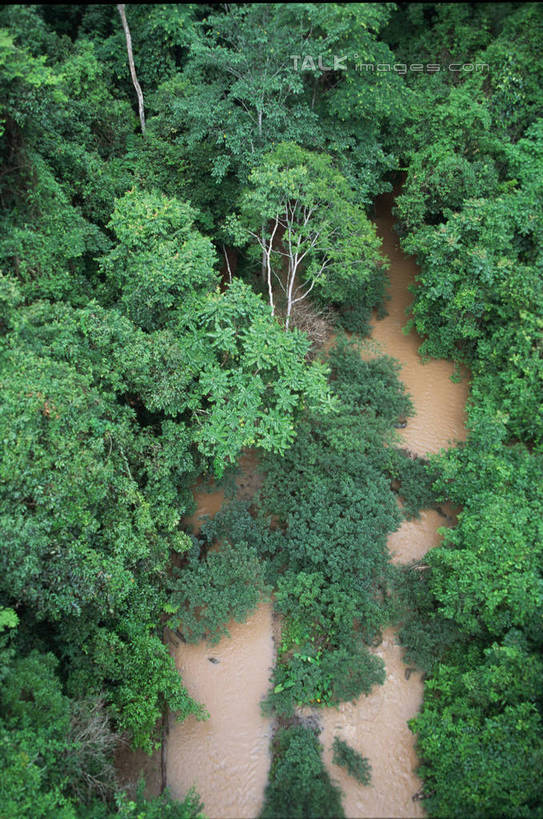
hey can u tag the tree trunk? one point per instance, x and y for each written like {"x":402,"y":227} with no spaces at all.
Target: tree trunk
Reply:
{"x":263,"y":262}
{"x":289,"y":305}
{"x":291,"y":278}
{"x":269,"y":272}
{"x":137,"y":86}
{"x":227,"y":260}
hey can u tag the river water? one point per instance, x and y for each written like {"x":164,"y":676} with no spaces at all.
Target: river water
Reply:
{"x":376,"y":725}
{"x":227,"y":758}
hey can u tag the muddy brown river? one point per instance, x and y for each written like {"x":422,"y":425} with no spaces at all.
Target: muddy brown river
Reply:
{"x":227,"y":758}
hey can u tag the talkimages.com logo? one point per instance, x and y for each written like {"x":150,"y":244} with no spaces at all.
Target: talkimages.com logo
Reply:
{"x":306,"y":62}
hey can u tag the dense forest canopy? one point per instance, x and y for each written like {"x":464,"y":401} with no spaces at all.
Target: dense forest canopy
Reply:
{"x":160,"y":293}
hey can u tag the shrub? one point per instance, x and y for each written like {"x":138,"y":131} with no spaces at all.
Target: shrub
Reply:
{"x":206,"y":594}
{"x":299,"y":785}
{"x":355,"y":764}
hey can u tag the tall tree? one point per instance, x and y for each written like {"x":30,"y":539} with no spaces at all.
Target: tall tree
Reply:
{"x":315,"y":235}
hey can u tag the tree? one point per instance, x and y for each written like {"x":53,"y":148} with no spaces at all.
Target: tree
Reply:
{"x":486,"y":574}
{"x":479,"y":737}
{"x":159,"y":261}
{"x":208,"y":593}
{"x":240,"y":93}
{"x":57,"y":751}
{"x":137,"y":86}
{"x":238,"y":90}
{"x":480,"y":300}
{"x":61,"y":140}
{"x":250,"y":379}
{"x":315,"y":235}
{"x":299,"y":784}
{"x":84,"y":538}
{"x":223,"y":375}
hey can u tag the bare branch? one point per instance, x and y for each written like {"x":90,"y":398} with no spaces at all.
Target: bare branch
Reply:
{"x":307,"y":292}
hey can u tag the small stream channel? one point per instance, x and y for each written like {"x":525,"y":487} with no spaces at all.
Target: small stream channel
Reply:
{"x":227,"y":758}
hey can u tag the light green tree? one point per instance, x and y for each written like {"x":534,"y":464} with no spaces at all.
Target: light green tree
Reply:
{"x":315,"y":234}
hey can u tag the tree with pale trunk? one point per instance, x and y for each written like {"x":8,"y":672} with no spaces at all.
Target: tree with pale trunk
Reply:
{"x":135,"y":81}
{"x":315,"y":236}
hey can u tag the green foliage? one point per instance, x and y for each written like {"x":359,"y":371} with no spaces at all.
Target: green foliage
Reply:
{"x":358,"y":302}
{"x":251,"y":377}
{"x":72,"y":506}
{"x":328,"y":560}
{"x":372,"y":387}
{"x":207,"y":594}
{"x":234,"y":98}
{"x":487,"y":572}
{"x":456,"y":29}
{"x":56,"y":473}
{"x":161,"y":34}
{"x":227,"y":105}
{"x":476,"y":228}
{"x":125,"y":371}
{"x":415,"y":479}
{"x":479,"y":736}
{"x":190,"y":807}
{"x":224,"y":359}
{"x":326,"y":554}
{"x":471,"y":211}
{"x":489,"y":270}
{"x":307,"y":675}
{"x":299,"y":784}
{"x":441,"y":179}
{"x":8,"y":618}
{"x":514,"y":93}
{"x":160,"y":261}
{"x":146,"y":680}
{"x":94,"y":491}
{"x":300,"y":193}
{"x":56,"y":752}
{"x":61,"y":138}
{"x":361,"y":113}
{"x":356,"y":765}
{"x":427,"y":636}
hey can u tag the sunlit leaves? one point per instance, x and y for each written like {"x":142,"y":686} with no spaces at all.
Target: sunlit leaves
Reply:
{"x":160,"y":259}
